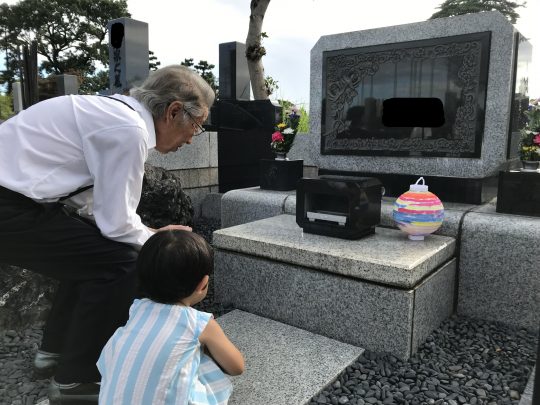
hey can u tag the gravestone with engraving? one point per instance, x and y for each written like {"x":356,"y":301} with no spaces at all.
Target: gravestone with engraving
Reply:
{"x":467,"y":66}
{"x":128,"y":53}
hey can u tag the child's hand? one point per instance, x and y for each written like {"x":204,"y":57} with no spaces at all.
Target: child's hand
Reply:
{"x":221,"y":349}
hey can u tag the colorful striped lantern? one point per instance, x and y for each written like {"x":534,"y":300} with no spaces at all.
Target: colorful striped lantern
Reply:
{"x":418,"y":212}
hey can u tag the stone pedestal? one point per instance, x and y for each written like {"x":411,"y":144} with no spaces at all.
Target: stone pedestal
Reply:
{"x":519,"y":193}
{"x":383,"y":292}
{"x":280,"y":175}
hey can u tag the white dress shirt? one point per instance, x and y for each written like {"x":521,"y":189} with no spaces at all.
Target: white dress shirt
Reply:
{"x":62,"y":144}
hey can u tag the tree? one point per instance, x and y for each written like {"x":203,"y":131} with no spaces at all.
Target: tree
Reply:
{"x":254,"y":49}
{"x":6,"y":109}
{"x":71,"y":35}
{"x":153,"y":60}
{"x":205,"y":70}
{"x":457,"y":7}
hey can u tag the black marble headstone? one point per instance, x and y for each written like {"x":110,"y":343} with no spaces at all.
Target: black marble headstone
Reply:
{"x":244,"y":134}
{"x":357,"y":81}
{"x":233,"y":72}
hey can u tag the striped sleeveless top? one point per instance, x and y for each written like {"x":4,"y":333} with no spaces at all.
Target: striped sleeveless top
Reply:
{"x":156,"y":359}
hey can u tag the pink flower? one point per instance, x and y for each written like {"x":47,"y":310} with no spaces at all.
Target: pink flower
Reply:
{"x":536,"y":139}
{"x":277,"y":137}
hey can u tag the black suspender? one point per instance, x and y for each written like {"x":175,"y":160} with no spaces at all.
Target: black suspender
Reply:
{"x":120,"y":101}
{"x":80,"y":190}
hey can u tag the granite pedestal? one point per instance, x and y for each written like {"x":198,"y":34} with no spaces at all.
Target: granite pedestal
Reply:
{"x":382,"y":292}
{"x":498,"y":269}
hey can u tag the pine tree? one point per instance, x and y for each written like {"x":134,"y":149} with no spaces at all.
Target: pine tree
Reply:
{"x":451,"y":8}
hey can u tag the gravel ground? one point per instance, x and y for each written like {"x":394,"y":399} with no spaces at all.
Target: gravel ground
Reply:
{"x":463,"y":362}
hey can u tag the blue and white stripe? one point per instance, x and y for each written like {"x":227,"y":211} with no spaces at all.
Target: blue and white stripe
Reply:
{"x":156,"y":359}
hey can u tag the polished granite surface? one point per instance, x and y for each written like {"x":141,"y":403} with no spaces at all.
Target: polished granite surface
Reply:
{"x":386,"y":257}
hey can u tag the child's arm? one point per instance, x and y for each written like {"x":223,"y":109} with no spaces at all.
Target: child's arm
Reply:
{"x":226,"y":355}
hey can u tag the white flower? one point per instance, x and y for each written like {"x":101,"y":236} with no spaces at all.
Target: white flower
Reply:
{"x":288,"y":131}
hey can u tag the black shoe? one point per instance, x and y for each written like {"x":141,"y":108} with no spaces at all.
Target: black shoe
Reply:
{"x":45,"y":364}
{"x":73,"y":394}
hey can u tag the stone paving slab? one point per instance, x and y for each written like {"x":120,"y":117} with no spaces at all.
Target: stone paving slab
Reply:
{"x":527,"y":396}
{"x":284,"y":365}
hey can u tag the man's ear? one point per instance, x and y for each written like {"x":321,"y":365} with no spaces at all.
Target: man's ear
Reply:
{"x":203,"y":284}
{"x":174,"y":108}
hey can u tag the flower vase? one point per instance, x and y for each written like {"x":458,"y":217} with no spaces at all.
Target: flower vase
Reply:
{"x":281,"y":156}
{"x":529,"y":165}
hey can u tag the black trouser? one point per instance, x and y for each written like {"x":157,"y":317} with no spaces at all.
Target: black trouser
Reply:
{"x":97,"y":279}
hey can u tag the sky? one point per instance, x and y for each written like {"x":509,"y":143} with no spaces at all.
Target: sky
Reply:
{"x":194,"y":29}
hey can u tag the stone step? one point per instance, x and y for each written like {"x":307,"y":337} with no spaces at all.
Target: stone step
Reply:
{"x":284,"y":365}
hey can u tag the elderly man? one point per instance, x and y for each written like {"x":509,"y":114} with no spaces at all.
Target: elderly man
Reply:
{"x":88,"y":152}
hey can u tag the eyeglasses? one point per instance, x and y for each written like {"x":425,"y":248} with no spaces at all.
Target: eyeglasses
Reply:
{"x":199,"y":129}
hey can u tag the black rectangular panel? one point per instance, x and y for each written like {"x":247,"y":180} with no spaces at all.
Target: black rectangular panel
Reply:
{"x":356,"y":82}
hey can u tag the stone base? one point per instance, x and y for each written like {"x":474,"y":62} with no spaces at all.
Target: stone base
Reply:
{"x":373,"y":316}
{"x":280,"y":175}
{"x":519,"y":193}
{"x":450,"y":189}
{"x":498,"y":269}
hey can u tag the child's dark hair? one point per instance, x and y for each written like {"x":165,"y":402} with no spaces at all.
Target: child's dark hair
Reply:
{"x":172,"y":263}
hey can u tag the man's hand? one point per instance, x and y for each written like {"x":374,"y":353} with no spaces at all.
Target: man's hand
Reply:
{"x":172,"y":228}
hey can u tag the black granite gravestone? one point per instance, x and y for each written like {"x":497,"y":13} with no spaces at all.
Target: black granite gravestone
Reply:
{"x":244,"y":127}
{"x":244,"y":134}
{"x":234,"y":83}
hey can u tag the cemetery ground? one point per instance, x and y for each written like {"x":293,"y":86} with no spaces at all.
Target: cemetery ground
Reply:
{"x":463,"y":361}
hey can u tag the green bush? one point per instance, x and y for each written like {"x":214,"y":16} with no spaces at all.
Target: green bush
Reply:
{"x":6,"y":107}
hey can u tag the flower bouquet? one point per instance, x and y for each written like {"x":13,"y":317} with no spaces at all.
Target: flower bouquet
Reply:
{"x":529,"y":146}
{"x":283,"y":137}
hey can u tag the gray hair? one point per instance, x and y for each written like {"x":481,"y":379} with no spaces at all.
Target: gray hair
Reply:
{"x":174,"y":83}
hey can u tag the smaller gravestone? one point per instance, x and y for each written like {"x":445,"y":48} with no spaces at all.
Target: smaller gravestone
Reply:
{"x":67,"y":84}
{"x":234,"y":83}
{"x":17,"y":97}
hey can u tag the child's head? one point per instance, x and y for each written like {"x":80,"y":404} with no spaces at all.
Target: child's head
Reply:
{"x":172,"y":264}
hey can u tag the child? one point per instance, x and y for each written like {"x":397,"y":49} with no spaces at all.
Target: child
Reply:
{"x":157,"y":357}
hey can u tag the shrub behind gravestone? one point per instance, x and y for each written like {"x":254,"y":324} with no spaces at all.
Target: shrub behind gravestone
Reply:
{"x":163,"y":202}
